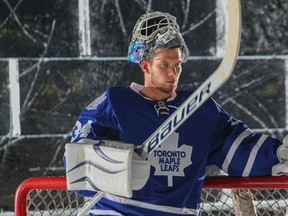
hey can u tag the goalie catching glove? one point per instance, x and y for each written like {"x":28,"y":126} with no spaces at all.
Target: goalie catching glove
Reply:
{"x":282,"y":154}
{"x":107,"y":166}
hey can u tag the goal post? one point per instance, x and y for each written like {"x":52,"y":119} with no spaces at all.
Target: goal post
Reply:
{"x":35,"y":183}
{"x":49,"y":196}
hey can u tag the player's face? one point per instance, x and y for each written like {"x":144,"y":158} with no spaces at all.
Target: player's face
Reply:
{"x":164,"y":69}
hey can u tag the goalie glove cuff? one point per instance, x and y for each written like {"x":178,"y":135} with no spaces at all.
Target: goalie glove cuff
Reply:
{"x":280,"y":169}
{"x":282,"y":151}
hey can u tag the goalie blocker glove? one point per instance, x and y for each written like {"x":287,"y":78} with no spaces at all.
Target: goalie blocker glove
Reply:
{"x":282,"y":151}
{"x":282,"y":154}
{"x":105,"y":165}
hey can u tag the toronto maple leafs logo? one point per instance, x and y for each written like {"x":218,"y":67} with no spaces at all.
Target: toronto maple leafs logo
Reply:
{"x":96,"y":102}
{"x":169,"y":160}
{"x":234,"y":122}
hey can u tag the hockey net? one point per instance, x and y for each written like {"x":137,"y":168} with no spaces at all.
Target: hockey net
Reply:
{"x":221,"y":196}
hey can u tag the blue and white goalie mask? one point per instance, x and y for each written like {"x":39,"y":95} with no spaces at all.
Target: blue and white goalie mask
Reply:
{"x":155,"y":30}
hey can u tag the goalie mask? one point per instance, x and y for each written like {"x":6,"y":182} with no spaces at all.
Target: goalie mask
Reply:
{"x":155,"y":30}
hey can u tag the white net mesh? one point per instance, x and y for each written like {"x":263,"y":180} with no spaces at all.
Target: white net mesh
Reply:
{"x":53,"y":202}
{"x":266,"y":202}
{"x":218,"y":202}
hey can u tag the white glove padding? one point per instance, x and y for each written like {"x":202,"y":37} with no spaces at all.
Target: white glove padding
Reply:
{"x":280,"y":169}
{"x":140,"y":172}
{"x":282,"y":151}
{"x":282,"y":154}
{"x":105,"y":166}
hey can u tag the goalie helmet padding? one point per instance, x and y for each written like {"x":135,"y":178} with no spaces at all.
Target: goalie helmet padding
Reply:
{"x":155,"y":30}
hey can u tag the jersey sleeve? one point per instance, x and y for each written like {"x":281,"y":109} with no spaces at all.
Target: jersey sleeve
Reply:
{"x":239,"y":151}
{"x":97,"y":121}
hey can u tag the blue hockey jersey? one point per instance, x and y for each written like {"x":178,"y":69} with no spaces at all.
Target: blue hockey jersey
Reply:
{"x":177,"y":167}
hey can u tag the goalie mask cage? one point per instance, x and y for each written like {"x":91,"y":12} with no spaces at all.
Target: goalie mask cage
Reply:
{"x":221,"y":196}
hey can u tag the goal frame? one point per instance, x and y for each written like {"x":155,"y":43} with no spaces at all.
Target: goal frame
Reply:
{"x":34,"y":183}
{"x":215,"y":182}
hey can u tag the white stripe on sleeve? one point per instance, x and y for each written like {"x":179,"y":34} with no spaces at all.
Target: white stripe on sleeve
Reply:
{"x":105,"y":212}
{"x":233,"y":149}
{"x":253,"y":154}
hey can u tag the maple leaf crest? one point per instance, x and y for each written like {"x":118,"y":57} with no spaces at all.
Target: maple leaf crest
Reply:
{"x":169,"y":160}
{"x":96,"y":102}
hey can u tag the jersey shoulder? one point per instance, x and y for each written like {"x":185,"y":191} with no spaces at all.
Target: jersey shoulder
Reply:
{"x":184,"y":94}
{"x":209,"y":108}
{"x":118,"y":95}
{"x":112,"y":95}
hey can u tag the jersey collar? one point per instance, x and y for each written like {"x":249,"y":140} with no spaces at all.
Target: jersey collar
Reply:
{"x":138,"y":87}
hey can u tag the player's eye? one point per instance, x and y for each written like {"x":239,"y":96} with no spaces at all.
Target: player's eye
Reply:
{"x":164,"y":65}
{"x":179,"y":65}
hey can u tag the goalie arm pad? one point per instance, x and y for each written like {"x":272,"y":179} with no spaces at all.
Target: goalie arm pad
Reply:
{"x":107,"y":166}
{"x":282,"y":154}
